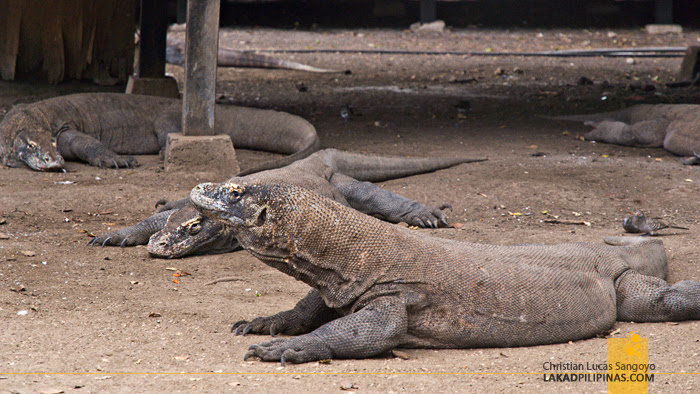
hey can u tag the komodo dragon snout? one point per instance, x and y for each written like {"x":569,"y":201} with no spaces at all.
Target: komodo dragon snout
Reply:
{"x":38,"y":152}
{"x":226,"y":203}
{"x":186,"y":232}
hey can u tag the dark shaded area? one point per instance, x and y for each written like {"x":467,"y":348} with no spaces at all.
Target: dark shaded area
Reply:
{"x":492,"y":13}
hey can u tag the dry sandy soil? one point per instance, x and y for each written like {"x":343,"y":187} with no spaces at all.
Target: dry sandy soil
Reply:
{"x":91,"y":319}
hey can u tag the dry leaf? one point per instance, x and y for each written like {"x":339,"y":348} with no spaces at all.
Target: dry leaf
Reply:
{"x":181,"y":358}
{"x":515,"y":213}
{"x":348,"y":386}
{"x":3,"y":220}
{"x":458,"y":225}
{"x":109,"y":224}
{"x":154,"y":314}
{"x":177,"y":282}
{"x":400,"y":354}
{"x":483,"y":195}
{"x":28,"y":253}
{"x":4,"y":236}
{"x":234,"y":384}
{"x":531,"y":147}
{"x":689,"y":180}
{"x":170,"y":269}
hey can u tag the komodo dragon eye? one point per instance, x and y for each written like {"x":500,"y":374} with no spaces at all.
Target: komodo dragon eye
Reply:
{"x":235,"y":190}
{"x":194,"y":228}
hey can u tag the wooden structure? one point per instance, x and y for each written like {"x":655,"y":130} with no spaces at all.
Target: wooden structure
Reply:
{"x":57,"y":40}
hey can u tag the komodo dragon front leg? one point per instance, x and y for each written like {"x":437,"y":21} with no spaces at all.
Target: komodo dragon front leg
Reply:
{"x":377,"y":327}
{"x":371,"y":199}
{"x":138,"y":234}
{"x":75,"y":145}
{"x":310,"y":313}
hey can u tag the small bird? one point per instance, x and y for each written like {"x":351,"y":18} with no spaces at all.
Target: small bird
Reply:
{"x":642,"y":224}
{"x":345,"y":112}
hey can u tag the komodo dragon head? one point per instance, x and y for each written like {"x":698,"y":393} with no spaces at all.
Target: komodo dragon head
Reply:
{"x":25,"y":141}
{"x":187,"y":232}
{"x":245,"y":208}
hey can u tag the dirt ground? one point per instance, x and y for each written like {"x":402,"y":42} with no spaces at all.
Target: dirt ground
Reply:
{"x":91,"y":319}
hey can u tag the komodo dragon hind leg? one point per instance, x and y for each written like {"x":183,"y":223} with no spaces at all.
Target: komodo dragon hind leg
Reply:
{"x":642,"y":298}
{"x":643,"y":254}
{"x":371,"y":199}
{"x":73,"y":144}
{"x":374,"y":329}
{"x":308,"y":314}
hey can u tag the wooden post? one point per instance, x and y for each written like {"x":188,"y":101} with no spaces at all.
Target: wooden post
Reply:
{"x":663,"y":12}
{"x":201,"y":47}
{"x":428,"y":12}
{"x":154,"y":27}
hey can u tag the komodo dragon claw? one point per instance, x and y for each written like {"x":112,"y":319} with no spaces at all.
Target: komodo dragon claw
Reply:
{"x":105,"y":241}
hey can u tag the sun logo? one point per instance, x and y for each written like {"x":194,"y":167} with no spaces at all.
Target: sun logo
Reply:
{"x":634,"y":346}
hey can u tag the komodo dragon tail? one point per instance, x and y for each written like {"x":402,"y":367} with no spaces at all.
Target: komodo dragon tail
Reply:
{"x":373,"y":168}
{"x":643,"y":254}
{"x":271,"y":165}
{"x":620,"y":116}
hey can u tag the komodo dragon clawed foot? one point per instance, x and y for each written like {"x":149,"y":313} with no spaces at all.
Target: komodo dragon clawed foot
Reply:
{"x":309,"y":313}
{"x":426,"y":216}
{"x":108,"y":159}
{"x":296,"y":350}
{"x":117,"y":238}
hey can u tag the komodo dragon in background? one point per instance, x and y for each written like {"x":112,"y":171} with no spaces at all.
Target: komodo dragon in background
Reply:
{"x":181,"y":231}
{"x":175,"y":54}
{"x":675,"y":127}
{"x":103,"y":128}
{"x":378,"y":286}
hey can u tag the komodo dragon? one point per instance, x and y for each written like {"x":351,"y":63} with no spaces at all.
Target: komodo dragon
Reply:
{"x":103,"y":128}
{"x":675,"y":127}
{"x":175,"y":54}
{"x":377,"y":286}
{"x":181,"y":231}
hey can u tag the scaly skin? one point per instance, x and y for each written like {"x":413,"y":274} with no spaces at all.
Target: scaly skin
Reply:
{"x":104,"y":129}
{"x":675,"y":127}
{"x":378,"y":286}
{"x":330,"y":172}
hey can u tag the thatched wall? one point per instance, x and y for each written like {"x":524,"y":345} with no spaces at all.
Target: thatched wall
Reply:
{"x":57,"y":40}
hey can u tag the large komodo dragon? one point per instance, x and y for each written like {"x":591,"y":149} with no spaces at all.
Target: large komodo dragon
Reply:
{"x":175,"y":54}
{"x":675,"y":127}
{"x":377,"y":286}
{"x":181,"y":230}
{"x":103,"y":128}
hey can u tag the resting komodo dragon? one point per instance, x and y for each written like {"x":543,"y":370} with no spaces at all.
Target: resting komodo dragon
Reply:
{"x":104,"y":128}
{"x":181,"y":231}
{"x":377,"y":286}
{"x":675,"y":127}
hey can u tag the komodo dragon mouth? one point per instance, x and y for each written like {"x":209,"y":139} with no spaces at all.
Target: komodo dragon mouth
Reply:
{"x":38,"y":156}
